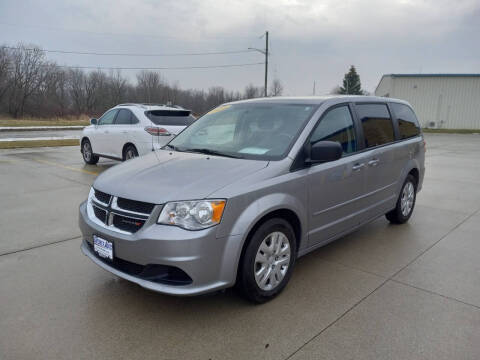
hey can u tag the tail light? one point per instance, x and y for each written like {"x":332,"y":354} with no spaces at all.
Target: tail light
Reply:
{"x":157,"y":131}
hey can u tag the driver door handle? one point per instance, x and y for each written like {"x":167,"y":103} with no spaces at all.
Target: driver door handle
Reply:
{"x":373,"y":162}
{"x":358,"y":166}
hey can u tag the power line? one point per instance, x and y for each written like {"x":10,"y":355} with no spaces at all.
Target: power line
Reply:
{"x":157,"y":68}
{"x":131,"y":54}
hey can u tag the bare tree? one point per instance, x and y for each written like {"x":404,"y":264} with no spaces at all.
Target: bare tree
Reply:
{"x":276,"y":88}
{"x":5,"y":78}
{"x":252,"y":91}
{"x":149,"y":86}
{"x":27,"y":77}
{"x":31,"y":85}
{"x":76,"y":79}
{"x":118,"y":87}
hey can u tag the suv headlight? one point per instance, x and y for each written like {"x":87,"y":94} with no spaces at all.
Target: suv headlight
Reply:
{"x":192,"y":215}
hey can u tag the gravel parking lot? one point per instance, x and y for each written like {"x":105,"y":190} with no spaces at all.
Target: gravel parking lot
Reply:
{"x":383,"y":292}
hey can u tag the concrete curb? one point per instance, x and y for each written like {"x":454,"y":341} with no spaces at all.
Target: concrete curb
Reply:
{"x":39,"y":128}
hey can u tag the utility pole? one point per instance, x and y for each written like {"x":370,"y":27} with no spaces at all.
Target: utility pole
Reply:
{"x":264,"y":52}
{"x":313,"y":87}
{"x":266,"y":62}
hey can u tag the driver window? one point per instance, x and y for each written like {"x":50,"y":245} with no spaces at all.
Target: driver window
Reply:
{"x":107,"y":118}
{"x":337,"y":125}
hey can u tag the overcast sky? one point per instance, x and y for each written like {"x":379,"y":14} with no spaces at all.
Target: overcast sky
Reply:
{"x":310,"y":40}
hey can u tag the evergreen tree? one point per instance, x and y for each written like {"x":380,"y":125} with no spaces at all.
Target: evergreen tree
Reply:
{"x":351,"y":83}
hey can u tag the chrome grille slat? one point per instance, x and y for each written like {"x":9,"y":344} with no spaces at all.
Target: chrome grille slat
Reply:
{"x":116,"y":218}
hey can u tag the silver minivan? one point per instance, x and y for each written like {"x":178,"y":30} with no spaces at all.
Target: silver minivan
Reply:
{"x":250,"y":187}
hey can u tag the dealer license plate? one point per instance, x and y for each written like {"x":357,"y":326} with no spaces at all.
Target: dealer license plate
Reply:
{"x":103,"y":248}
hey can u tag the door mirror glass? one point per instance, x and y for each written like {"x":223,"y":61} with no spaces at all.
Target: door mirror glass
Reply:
{"x":93,"y":121}
{"x":324,"y":151}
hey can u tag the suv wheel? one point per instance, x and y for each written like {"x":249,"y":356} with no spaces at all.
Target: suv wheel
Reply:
{"x":88,"y":156}
{"x":130,"y":153}
{"x":405,"y":202}
{"x":268,"y":261}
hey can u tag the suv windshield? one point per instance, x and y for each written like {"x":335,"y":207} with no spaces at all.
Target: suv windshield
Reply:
{"x":170,"y":117}
{"x":262,"y":131}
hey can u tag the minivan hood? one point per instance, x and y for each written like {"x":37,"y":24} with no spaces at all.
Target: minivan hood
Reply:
{"x":163,"y":176}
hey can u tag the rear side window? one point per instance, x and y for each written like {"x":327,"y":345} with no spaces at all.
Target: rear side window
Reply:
{"x":376,"y":123}
{"x":337,"y":125}
{"x":124,"y":117}
{"x":169,"y":117}
{"x":407,"y":121}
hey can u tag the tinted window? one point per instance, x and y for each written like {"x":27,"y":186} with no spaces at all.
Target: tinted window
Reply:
{"x":407,"y":121}
{"x":169,"y":117}
{"x":337,"y":125}
{"x":107,"y":118}
{"x":124,"y":117}
{"x":377,"y":124}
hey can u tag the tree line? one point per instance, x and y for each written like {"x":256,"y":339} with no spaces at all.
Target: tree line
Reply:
{"x":33,"y":86}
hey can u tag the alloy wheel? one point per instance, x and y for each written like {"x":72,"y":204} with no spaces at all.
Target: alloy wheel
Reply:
{"x":272,"y":260}
{"x":87,"y":151}
{"x":130,"y":154}
{"x":408,"y":197}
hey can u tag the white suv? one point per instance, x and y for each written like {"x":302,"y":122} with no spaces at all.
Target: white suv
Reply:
{"x":130,"y":130}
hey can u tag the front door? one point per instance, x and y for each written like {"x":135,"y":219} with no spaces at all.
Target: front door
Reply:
{"x":101,"y":140}
{"x":336,"y":188}
{"x":120,"y":133}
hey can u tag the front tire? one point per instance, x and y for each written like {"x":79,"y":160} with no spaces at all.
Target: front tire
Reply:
{"x":405,"y":203}
{"x":88,"y":156}
{"x":268,"y":261}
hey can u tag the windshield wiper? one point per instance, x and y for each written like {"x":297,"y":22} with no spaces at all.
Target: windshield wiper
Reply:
{"x":214,"y":152}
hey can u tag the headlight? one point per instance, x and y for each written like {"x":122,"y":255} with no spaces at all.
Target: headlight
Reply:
{"x":192,"y":215}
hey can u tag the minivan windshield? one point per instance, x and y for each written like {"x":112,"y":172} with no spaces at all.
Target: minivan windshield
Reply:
{"x":262,"y":131}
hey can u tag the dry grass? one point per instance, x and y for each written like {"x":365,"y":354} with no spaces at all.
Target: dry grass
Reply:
{"x":71,"y":121}
{"x":38,"y":143}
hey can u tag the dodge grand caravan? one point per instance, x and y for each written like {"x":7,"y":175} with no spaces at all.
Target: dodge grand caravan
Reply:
{"x":250,"y":187}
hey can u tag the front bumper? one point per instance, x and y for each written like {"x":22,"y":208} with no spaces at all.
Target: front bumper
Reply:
{"x":209,"y":261}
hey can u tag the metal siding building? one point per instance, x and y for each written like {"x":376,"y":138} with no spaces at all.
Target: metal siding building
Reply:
{"x":450,"y":101}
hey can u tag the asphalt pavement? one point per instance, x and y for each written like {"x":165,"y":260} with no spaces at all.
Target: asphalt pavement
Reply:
{"x":383,"y":292}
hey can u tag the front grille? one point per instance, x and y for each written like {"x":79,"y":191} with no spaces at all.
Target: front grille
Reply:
{"x":133,"y":205}
{"x":162,"y":274}
{"x":120,"y":214}
{"x":100,"y":214}
{"x":126,"y":223}
{"x":103,"y":197}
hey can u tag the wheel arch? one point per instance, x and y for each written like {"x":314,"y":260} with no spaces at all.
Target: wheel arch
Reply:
{"x":412,"y":168}
{"x":287,"y":207}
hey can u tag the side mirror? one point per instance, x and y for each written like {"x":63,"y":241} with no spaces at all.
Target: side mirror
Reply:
{"x":93,"y":121}
{"x":324,"y":151}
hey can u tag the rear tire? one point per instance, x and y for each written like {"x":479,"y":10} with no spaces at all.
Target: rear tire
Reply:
{"x":88,"y":156}
{"x":405,"y":203}
{"x":268,"y":261}
{"x":130,"y":153}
